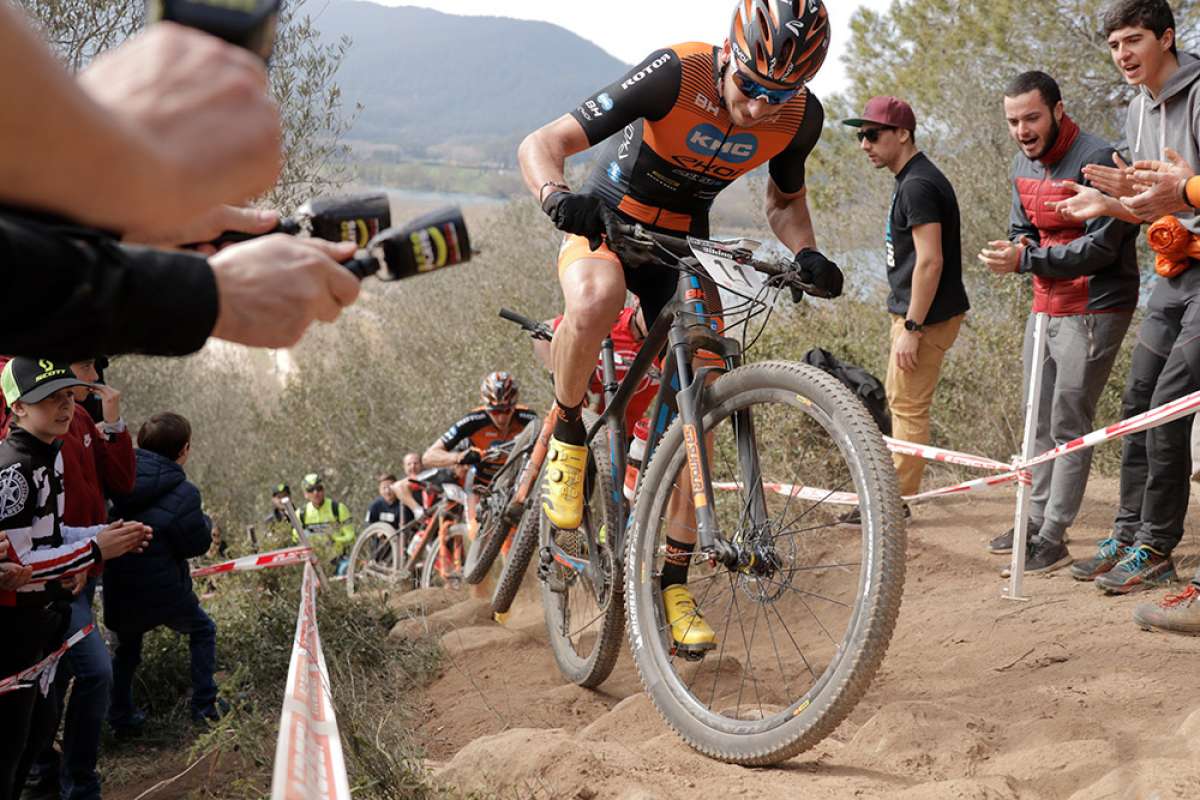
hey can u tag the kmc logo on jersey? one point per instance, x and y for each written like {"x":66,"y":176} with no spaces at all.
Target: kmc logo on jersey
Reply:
{"x":709,"y":140}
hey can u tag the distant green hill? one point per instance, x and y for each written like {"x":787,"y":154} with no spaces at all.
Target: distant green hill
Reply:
{"x":440,"y":86}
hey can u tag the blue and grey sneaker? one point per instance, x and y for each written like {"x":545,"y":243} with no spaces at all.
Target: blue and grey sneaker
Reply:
{"x":1141,"y":568}
{"x":1111,"y":551}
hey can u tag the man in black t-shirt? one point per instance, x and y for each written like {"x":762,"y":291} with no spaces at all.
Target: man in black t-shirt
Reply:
{"x":387,"y":507}
{"x":924,"y":269}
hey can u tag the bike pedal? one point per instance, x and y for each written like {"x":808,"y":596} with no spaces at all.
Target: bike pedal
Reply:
{"x":692,"y":653}
{"x":547,"y":574}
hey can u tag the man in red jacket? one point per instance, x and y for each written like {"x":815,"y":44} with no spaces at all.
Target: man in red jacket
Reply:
{"x":1085,"y":279}
{"x":97,"y":461}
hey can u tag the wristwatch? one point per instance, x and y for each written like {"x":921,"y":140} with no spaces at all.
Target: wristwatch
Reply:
{"x":913,"y":327}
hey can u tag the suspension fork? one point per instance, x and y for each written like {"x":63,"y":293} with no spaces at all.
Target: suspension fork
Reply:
{"x":690,"y":400}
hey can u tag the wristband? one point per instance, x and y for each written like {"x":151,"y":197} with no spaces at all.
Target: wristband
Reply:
{"x":555,"y":184}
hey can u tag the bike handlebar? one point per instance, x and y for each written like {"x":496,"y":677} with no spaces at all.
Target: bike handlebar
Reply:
{"x":537,"y":330}
{"x":637,"y":235}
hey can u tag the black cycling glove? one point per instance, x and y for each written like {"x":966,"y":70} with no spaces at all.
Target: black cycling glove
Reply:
{"x":470,"y":457}
{"x":818,"y":271}
{"x":581,"y":214}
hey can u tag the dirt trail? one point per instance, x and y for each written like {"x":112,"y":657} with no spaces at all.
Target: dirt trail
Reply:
{"x":978,"y":697}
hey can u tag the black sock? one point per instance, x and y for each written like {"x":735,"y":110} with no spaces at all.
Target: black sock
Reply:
{"x":675,"y":563}
{"x":568,"y":428}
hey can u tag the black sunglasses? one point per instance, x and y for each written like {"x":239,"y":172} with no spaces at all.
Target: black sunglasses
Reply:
{"x":872,"y":134}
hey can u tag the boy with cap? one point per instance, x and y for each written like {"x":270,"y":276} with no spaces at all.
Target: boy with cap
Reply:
{"x":924,"y":269}
{"x":33,"y":618}
{"x":97,"y":463}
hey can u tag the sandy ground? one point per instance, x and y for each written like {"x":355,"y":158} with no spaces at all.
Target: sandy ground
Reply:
{"x":979,"y":697}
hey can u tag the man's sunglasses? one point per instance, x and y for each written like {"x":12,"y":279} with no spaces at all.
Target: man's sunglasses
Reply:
{"x":753,"y":90}
{"x":872,"y":134}
{"x":500,"y":409}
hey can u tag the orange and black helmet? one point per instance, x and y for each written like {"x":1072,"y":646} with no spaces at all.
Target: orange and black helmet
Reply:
{"x":783,"y":41}
{"x":498,"y":390}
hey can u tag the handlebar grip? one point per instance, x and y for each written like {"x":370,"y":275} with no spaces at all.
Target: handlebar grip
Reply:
{"x":363,"y":266}
{"x":522,"y":320}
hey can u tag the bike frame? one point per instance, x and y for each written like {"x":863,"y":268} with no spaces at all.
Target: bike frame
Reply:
{"x":682,"y":329}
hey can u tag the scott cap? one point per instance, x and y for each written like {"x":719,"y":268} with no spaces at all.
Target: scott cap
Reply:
{"x":33,"y":380}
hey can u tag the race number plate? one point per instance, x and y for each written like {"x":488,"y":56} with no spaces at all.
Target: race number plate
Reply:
{"x":722,"y":263}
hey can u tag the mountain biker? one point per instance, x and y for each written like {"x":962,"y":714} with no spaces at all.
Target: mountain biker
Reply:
{"x":497,"y":422}
{"x":678,"y":128}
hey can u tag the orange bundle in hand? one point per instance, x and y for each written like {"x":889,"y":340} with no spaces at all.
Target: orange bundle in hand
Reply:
{"x":1174,"y":244}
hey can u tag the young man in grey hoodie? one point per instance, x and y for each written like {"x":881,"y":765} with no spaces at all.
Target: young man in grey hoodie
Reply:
{"x":1155,"y":466}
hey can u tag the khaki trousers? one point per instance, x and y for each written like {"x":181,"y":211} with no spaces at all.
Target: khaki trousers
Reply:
{"x":910,"y":394}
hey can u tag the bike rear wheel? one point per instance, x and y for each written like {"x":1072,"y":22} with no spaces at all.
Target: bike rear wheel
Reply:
{"x":431,"y":575}
{"x":492,"y":509}
{"x":802,"y":626}
{"x":585,"y":616}
{"x":374,"y":560}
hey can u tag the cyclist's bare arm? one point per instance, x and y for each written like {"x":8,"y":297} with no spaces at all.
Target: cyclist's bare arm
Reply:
{"x":404,"y":492}
{"x":439,"y":456}
{"x":153,"y":133}
{"x":789,"y":217}
{"x":787,"y":194}
{"x":543,"y":154}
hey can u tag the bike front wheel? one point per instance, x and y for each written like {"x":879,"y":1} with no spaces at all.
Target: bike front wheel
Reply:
{"x":582,"y":586}
{"x":492,"y":513}
{"x":374,"y":560}
{"x":802,"y":621}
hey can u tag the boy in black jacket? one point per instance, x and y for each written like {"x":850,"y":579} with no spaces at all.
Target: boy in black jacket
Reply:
{"x":154,"y":587}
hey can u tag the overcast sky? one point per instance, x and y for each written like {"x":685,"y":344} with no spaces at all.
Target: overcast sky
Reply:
{"x":629,"y":29}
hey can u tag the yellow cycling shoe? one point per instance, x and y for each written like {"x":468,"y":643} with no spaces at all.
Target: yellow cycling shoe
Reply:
{"x":688,"y":628}
{"x":562,"y":491}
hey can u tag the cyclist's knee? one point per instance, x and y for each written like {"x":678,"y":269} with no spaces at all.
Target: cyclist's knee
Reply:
{"x":593,"y":289}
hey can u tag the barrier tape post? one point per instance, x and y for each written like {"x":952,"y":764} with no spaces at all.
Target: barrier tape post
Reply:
{"x":309,"y":762}
{"x":1025,"y":488}
{"x":290,"y":511}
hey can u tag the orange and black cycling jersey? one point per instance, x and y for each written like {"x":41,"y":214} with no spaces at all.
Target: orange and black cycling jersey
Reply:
{"x":477,"y":429}
{"x":672,"y":146}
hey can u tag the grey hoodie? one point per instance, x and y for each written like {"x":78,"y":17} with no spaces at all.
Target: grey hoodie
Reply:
{"x":1179,"y":101}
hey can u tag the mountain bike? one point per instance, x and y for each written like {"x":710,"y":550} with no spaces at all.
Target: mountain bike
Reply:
{"x":496,"y":517}
{"x":442,"y":564}
{"x":524,"y":504}
{"x":386,"y":558}
{"x":756,"y":463}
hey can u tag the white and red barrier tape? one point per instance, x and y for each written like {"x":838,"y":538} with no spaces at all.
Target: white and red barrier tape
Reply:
{"x":930,"y":453}
{"x":1167,"y":412}
{"x":309,"y":763}
{"x":276,"y":558}
{"x":1017,"y":472}
{"x":43,"y":671}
